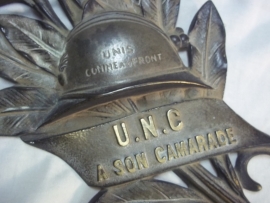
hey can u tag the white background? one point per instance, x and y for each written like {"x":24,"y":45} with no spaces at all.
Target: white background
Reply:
{"x":30,"y":175}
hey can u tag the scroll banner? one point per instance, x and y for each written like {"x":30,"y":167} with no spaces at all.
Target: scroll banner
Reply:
{"x":147,"y":143}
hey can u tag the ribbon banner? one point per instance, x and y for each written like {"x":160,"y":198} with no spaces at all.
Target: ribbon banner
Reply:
{"x":157,"y":140}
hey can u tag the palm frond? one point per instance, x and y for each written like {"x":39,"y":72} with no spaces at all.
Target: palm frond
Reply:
{"x":216,"y":189}
{"x":73,"y":10}
{"x":94,"y":7}
{"x":18,"y":69}
{"x":41,"y":45}
{"x":23,"y":109}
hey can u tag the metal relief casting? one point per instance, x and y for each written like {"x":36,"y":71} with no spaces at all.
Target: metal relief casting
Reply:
{"x":113,"y":99}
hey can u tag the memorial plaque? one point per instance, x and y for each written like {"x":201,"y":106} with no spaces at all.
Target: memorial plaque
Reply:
{"x":113,"y":99}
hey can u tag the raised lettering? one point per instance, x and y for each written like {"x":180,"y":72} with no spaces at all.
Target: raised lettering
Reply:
{"x":101,"y":174}
{"x":148,"y":127}
{"x":160,"y":159}
{"x":230,"y":135}
{"x":182,"y":149}
{"x":130,"y":165}
{"x":120,"y":166}
{"x":193,"y":148}
{"x":141,"y":161}
{"x":222,"y":139}
{"x":174,"y":120}
{"x":118,"y":137}
{"x":202,"y":144}
{"x":212,"y":141}
{"x":171,"y":153}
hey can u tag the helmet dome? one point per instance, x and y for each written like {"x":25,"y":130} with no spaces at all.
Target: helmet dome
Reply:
{"x":118,"y":51}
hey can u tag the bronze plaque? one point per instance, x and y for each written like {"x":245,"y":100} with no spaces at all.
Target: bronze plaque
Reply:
{"x":113,"y":99}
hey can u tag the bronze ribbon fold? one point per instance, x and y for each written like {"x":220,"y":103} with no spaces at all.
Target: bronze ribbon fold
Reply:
{"x":147,"y":143}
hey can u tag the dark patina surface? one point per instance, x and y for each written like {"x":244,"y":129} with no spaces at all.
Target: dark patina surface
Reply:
{"x":113,"y":99}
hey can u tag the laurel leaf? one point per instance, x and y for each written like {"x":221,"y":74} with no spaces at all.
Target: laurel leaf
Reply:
{"x":16,"y":68}
{"x":23,"y":109}
{"x":207,"y":39}
{"x":170,"y":14}
{"x":148,"y":191}
{"x":94,"y":7}
{"x":40,"y":44}
{"x":73,"y":10}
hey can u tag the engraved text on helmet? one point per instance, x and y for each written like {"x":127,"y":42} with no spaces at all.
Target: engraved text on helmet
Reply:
{"x":121,"y":58}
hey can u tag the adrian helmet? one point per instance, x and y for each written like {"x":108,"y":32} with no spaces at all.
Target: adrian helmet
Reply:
{"x":119,"y":51}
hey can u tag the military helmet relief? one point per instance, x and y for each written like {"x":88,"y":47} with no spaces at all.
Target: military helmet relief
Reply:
{"x":113,"y":99}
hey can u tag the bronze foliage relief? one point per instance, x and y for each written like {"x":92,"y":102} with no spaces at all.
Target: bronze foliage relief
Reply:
{"x":114,"y":100}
